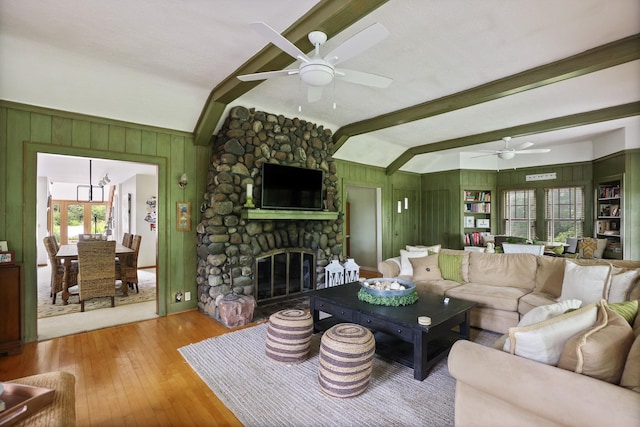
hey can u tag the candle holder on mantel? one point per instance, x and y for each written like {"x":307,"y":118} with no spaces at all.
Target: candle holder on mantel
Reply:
{"x":249,"y":203}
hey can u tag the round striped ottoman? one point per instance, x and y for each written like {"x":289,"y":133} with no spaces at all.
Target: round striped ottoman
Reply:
{"x":346,"y":359}
{"x":289,"y":336}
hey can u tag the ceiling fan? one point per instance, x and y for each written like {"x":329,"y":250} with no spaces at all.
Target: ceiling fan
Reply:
{"x":317,"y":71}
{"x":507,"y":153}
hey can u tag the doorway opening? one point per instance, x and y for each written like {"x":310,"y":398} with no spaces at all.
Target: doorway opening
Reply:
{"x":62,"y":212}
{"x":363,"y":225}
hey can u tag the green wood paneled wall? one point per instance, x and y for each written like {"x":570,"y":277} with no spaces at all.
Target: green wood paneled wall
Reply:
{"x":26,"y":130}
{"x":370,"y":176}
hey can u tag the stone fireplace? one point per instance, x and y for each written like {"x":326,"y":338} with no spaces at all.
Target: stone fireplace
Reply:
{"x":270,"y":257}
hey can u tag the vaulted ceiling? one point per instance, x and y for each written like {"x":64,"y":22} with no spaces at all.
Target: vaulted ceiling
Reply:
{"x":561,"y":74}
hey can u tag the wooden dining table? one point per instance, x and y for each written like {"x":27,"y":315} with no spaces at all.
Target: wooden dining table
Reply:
{"x":67,"y":253}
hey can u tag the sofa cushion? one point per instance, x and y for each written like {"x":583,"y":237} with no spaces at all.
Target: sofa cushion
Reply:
{"x":535,"y":299}
{"x":600,"y":351}
{"x":512,"y":270}
{"x":498,"y":297}
{"x":544,"y":341}
{"x":549,"y":275}
{"x":586,"y":283}
{"x":621,"y":284}
{"x":421,"y":248}
{"x":465,"y":261}
{"x":425,"y":268}
{"x":406,"y":269}
{"x":438,"y":287}
{"x":631,"y":373}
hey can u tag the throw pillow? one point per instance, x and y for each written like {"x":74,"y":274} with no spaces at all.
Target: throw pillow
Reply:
{"x":628,"y":310}
{"x":406,"y":269}
{"x":426,"y":268}
{"x":587,"y":247}
{"x":622,"y":283}
{"x":601,"y":245}
{"x":465,"y":261}
{"x":631,"y":374}
{"x":451,"y":267}
{"x":584,"y":282}
{"x":420,"y":248}
{"x":545,"y":312}
{"x":600,"y":351}
{"x":573,"y":245}
{"x":544,"y":341}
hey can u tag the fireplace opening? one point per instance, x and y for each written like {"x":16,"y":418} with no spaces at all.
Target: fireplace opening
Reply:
{"x":284,"y":273}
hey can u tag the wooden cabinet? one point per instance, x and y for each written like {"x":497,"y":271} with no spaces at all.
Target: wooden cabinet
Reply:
{"x":10,"y":330}
{"x":476,"y":216}
{"x":610,"y":215}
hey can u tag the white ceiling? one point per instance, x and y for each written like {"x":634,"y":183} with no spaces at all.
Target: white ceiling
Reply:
{"x":155,"y":62}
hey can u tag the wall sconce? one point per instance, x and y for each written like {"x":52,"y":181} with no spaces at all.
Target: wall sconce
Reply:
{"x":399,"y":206}
{"x":406,"y":203}
{"x":183,"y":181}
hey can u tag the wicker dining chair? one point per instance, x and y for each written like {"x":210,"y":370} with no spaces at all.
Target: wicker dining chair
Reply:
{"x":57,"y":268}
{"x":129,"y":265}
{"x":96,"y":272}
{"x":127,"y":239}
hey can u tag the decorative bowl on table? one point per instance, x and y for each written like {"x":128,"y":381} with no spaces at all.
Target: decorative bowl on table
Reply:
{"x":388,"y":287}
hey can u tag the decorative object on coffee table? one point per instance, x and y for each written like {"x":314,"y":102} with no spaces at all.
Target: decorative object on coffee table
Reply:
{"x":388,"y":291}
{"x":289,"y":336}
{"x":346,"y":360}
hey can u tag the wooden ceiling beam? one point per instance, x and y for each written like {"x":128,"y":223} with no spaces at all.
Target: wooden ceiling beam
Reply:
{"x":329,"y":16}
{"x":599,"y":58}
{"x":580,"y":119}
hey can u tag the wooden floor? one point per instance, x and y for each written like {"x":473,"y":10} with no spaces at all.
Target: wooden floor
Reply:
{"x":131,"y":375}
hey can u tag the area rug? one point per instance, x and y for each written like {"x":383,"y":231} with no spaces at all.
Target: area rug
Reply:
{"x":263,"y":393}
{"x":147,"y":286}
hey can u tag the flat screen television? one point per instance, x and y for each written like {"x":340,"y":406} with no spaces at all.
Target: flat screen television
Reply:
{"x":290,"y":187}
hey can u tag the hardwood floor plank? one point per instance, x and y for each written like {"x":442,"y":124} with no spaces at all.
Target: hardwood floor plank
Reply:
{"x":131,"y":375}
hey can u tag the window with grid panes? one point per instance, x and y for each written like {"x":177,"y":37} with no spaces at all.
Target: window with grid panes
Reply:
{"x":519,"y":213}
{"x":564,"y":216}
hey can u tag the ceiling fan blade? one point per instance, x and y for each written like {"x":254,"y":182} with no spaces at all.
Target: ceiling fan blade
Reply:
{"x":276,"y":38}
{"x":314,"y":94}
{"x":524,"y":145}
{"x":266,"y":75}
{"x":484,"y":155}
{"x":357,"y":44}
{"x":536,"y":151}
{"x":362,"y":78}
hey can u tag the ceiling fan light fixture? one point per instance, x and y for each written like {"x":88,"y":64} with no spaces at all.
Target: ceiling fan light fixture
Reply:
{"x":507,"y":155}
{"x":316,"y":73}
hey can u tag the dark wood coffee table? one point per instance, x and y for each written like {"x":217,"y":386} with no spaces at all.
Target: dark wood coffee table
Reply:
{"x":398,"y":335}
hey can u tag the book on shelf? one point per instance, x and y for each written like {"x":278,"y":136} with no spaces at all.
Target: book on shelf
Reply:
{"x":609,"y":192}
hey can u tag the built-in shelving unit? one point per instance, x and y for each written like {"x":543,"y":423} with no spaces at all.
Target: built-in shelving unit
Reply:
{"x":476,"y":216}
{"x":288,"y":214}
{"x":609,"y":216}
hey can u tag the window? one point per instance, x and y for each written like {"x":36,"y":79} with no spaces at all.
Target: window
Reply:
{"x":520,"y":213}
{"x":565,"y":213}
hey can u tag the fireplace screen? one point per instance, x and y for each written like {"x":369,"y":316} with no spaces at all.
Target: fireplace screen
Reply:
{"x":283,"y":273}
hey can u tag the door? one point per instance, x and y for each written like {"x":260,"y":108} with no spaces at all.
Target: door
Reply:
{"x":72,"y":218}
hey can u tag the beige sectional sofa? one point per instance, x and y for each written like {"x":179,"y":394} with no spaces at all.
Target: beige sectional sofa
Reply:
{"x":595,"y":379}
{"x":505,"y":286}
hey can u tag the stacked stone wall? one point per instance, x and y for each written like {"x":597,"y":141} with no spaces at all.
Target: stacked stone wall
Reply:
{"x":227,"y":244}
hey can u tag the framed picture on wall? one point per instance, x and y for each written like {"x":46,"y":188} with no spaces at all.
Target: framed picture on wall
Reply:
{"x":183,"y":216}
{"x":7,"y":257}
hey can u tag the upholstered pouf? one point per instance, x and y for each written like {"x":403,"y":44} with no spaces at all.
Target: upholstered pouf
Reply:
{"x":346,"y":360}
{"x":289,"y":336}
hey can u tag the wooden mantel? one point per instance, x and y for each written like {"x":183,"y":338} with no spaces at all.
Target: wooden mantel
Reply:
{"x":288,"y":214}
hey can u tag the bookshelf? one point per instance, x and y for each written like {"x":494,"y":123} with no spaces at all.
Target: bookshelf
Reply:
{"x":609,"y":216}
{"x":476,"y":216}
